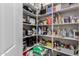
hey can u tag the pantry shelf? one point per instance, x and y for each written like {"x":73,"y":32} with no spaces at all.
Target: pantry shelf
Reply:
{"x":67,"y":38}
{"x":45,"y":25}
{"x":65,"y":51}
{"x":29,"y":36}
{"x":46,"y":35}
{"x":73,"y":7}
{"x":29,"y":24}
{"x":65,"y":24}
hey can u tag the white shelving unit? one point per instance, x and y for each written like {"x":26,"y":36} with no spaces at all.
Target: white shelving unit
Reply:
{"x":50,"y":37}
{"x":61,"y":50}
{"x":30,"y":14}
{"x":37,"y":25}
{"x":64,"y":11}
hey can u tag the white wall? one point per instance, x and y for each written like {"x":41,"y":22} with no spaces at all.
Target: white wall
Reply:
{"x":10,"y":29}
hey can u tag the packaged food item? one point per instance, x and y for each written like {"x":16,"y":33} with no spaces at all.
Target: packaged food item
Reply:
{"x":49,"y":44}
{"x":49,"y":20}
{"x":38,"y":49}
{"x":45,"y":22}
